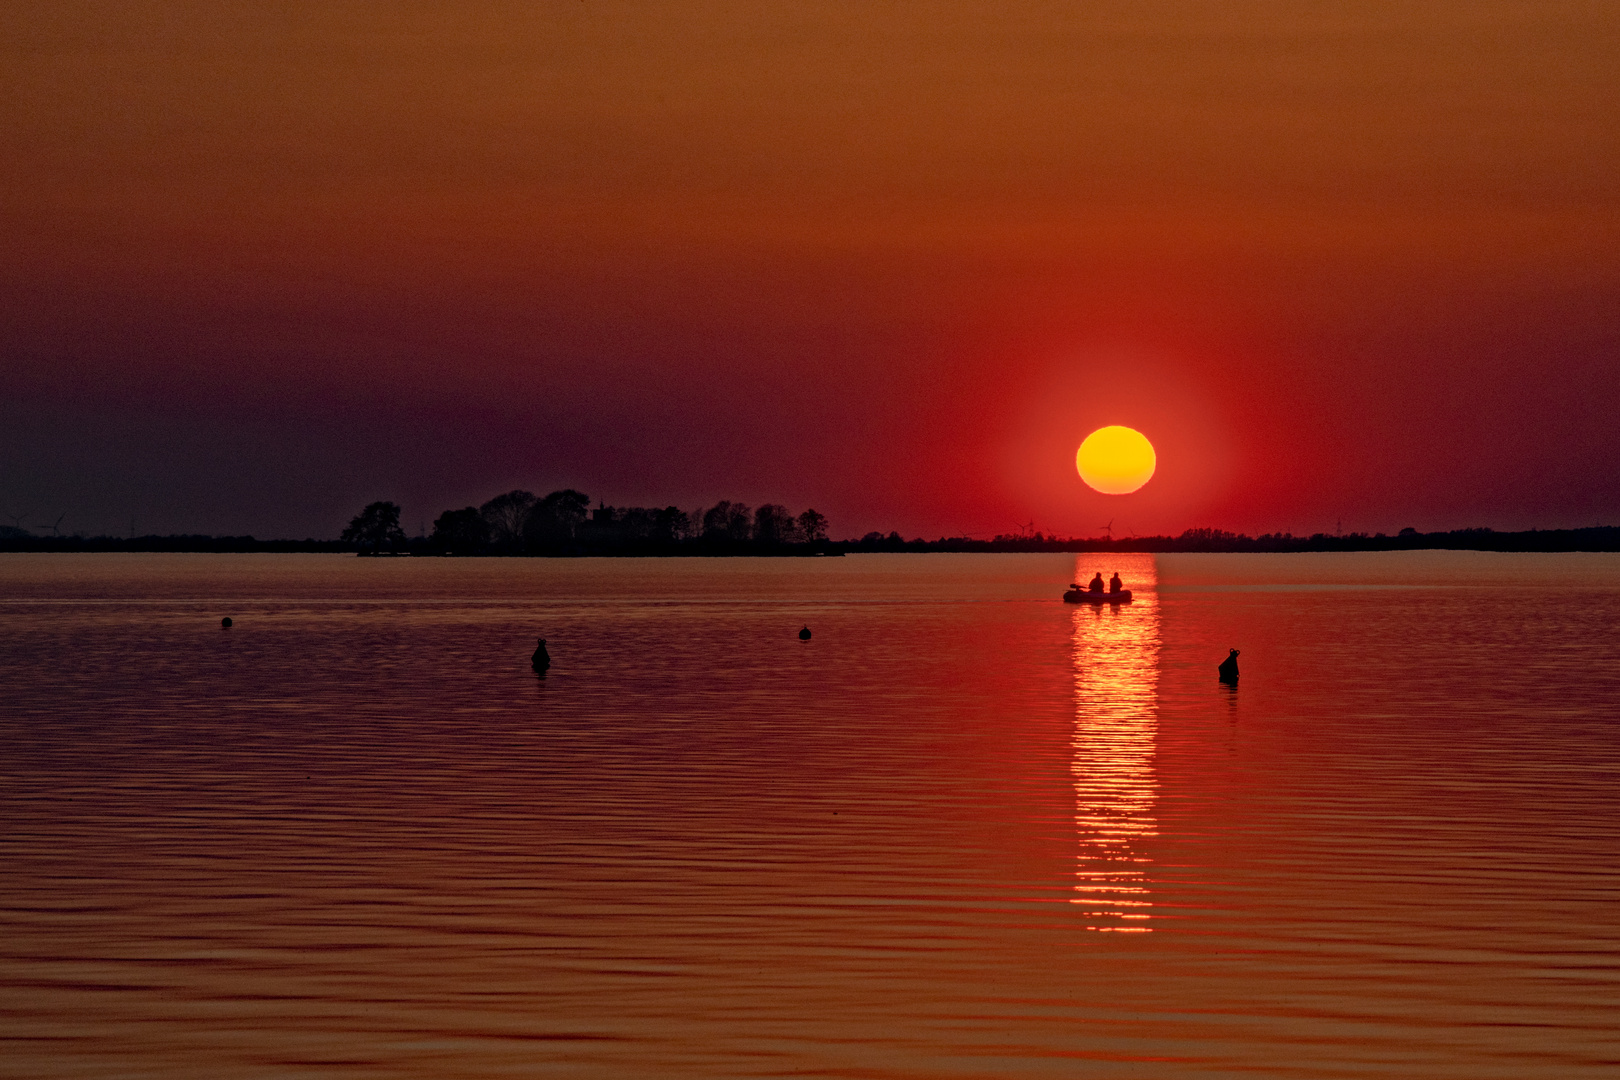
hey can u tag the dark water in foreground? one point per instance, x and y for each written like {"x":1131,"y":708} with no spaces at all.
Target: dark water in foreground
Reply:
{"x":967,"y":831}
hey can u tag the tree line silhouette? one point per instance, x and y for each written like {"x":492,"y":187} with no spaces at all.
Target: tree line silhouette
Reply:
{"x":564,"y":523}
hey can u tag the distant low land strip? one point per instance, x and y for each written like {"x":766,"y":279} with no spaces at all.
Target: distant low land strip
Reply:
{"x":1597,"y":538}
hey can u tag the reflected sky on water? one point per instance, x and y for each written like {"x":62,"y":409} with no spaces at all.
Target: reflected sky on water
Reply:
{"x":354,"y":836}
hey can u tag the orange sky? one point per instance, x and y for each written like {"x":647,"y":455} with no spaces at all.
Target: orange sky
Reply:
{"x":266,"y":261}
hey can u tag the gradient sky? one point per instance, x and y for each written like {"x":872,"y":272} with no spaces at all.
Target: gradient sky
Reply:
{"x":264,"y":262}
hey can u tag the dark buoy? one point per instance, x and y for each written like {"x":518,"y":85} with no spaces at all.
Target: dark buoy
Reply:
{"x":804,"y":635}
{"x":1228,"y":668}
{"x":542,"y":659}
{"x":225,"y":622}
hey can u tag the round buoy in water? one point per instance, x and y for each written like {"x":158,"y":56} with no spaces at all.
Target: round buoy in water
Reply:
{"x":225,"y":622}
{"x":804,"y":635}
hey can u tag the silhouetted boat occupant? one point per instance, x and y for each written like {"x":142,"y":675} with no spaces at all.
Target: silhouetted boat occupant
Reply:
{"x":1096,"y":583}
{"x":1228,"y":668}
{"x":225,"y":622}
{"x":1113,"y":582}
{"x":542,"y":659}
{"x":804,"y":635}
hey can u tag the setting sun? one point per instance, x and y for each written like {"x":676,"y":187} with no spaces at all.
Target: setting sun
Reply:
{"x":1116,"y":460}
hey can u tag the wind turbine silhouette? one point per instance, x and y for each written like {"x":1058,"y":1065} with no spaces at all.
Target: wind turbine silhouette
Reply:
{"x":56,"y":529}
{"x":1109,"y":529}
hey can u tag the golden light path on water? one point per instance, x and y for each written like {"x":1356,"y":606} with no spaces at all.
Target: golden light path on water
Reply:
{"x":1116,"y":677}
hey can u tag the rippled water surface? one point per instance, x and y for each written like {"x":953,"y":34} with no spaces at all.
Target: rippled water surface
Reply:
{"x":965,"y":831}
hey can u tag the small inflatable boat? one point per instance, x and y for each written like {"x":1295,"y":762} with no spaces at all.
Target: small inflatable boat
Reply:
{"x":1077,"y":595}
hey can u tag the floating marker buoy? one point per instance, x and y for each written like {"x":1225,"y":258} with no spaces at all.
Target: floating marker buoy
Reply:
{"x":541,"y":659}
{"x":1228,"y":668}
{"x":804,"y":635}
{"x":225,"y":622}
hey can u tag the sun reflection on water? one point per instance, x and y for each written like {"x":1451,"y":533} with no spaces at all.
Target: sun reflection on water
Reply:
{"x":1116,"y":666}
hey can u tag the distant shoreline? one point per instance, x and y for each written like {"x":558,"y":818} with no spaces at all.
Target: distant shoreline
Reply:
{"x":1594,"y":539}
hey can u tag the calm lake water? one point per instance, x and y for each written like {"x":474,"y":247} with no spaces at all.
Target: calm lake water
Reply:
{"x":965,"y":831}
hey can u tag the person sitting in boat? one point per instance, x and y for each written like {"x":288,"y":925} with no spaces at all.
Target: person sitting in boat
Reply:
{"x":1114,"y":583}
{"x":1096,"y":583}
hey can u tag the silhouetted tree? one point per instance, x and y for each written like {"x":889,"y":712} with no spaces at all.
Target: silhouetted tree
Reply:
{"x":652,"y":525}
{"x":772,"y":523}
{"x":376,"y":528}
{"x":1207,"y":539}
{"x":716,"y":520}
{"x":505,"y":515}
{"x":813,"y":525}
{"x":554,"y":522}
{"x":637,"y":523}
{"x":876,"y":541}
{"x":727,"y":520}
{"x":459,"y":532}
{"x":671,"y":524}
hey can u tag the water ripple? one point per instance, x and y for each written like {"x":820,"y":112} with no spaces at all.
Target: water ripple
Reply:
{"x":354,"y":835}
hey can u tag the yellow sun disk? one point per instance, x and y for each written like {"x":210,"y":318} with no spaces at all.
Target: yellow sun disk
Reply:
{"x":1116,"y":460}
